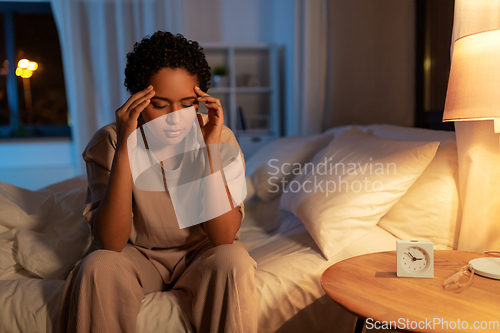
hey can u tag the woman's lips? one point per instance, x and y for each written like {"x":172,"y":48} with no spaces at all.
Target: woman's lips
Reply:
{"x":173,"y":134}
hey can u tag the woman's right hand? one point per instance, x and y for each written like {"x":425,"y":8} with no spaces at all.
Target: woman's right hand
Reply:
{"x":128,"y":115}
{"x":113,"y":218}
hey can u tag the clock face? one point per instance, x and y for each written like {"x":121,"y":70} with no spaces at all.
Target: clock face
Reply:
{"x":414,"y":259}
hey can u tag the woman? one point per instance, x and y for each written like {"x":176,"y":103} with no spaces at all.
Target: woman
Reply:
{"x":143,"y":248}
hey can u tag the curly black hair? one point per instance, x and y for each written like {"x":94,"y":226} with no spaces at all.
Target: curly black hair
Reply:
{"x":165,"y":50}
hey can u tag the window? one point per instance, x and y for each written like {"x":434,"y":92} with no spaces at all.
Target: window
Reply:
{"x":33,"y":106}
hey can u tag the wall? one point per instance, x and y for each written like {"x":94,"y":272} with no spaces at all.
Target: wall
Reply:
{"x":371,"y":52}
{"x":230,"y":21}
{"x":372,"y":57}
{"x":256,"y":21}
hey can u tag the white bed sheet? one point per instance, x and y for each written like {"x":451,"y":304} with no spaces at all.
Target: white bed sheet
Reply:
{"x":289,"y":269}
{"x":288,"y":280}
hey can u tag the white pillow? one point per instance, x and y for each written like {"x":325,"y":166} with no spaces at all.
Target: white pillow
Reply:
{"x":370,"y":174}
{"x":250,"y":189}
{"x":430,"y":210}
{"x":274,"y":162}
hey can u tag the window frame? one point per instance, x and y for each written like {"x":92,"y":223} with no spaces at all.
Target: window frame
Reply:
{"x":8,"y":9}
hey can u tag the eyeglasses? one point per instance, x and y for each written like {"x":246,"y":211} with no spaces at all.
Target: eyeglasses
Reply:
{"x":459,"y":280}
{"x":463,"y":278}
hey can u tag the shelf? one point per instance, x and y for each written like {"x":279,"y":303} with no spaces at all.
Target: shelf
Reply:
{"x":249,"y":91}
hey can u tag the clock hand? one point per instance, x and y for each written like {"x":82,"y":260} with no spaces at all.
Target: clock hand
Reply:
{"x":411,"y":256}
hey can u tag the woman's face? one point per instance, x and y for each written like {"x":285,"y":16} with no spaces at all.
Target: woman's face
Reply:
{"x":174,"y":91}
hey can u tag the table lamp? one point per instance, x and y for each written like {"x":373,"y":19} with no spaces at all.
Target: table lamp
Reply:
{"x":474,"y":83}
{"x":473,"y":103}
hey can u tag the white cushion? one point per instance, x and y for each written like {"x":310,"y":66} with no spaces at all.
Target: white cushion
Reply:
{"x":272,"y":163}
{"x":365,"y":176}
{"x":431,"y":209}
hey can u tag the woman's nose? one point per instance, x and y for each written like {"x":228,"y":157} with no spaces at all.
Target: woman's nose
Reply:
{"x":174,"y":117}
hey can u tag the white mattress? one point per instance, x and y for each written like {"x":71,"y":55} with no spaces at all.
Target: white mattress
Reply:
{"x":288,"y":280}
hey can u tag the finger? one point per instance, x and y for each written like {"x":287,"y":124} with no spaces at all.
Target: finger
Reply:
{"x":200,"y":92}
{"x":135,"y":103}
{"x":216,"y":116}
{"x":210,"y":101}
{"x":213,"y":106}
{"x":141,"y":100}
{"x":207,"y":97}
{"x":136,"y":96}
{"x":216,"y":112}
{"x":200,"y":119}
{"x":135,"y":112}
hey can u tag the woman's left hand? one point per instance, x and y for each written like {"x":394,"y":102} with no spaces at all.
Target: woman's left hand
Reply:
{"x":213,"y":128}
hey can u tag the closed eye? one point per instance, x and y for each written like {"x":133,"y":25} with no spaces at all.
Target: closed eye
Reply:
{"x":184,"y":102}
{"x":188,"y":101}
{"x":156,"y":106}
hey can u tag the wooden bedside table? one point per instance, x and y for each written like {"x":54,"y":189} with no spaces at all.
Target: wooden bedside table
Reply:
{"x":367,"y":285}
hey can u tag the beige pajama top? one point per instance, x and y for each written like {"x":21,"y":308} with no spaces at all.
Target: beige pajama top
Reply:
{"x":155,"y":230}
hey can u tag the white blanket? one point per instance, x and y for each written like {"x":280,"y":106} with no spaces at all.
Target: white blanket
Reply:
{"x":43,"y":236}
{"x":43,"y":231}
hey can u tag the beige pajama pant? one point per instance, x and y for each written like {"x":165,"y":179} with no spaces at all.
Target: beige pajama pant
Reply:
{"x":216,"y":289}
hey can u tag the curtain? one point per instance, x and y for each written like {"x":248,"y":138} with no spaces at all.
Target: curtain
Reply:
{"x":95,"y":37}
{"x":310,"y":63}
{"x":478,"y":146}
{"x":371,"y":62}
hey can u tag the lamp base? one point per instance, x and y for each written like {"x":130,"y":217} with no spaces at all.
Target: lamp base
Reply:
{"x":479,"y":178}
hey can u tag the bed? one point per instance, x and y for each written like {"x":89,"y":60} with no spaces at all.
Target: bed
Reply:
{"x":293,"y":228}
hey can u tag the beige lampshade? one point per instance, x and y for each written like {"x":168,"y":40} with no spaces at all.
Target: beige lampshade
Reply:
{"x":474,"y":84}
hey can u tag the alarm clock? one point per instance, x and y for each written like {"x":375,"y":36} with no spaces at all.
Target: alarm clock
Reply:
{"x":415,"y":259}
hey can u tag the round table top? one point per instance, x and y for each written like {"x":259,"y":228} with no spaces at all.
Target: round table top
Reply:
{"x":368,"y":286}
